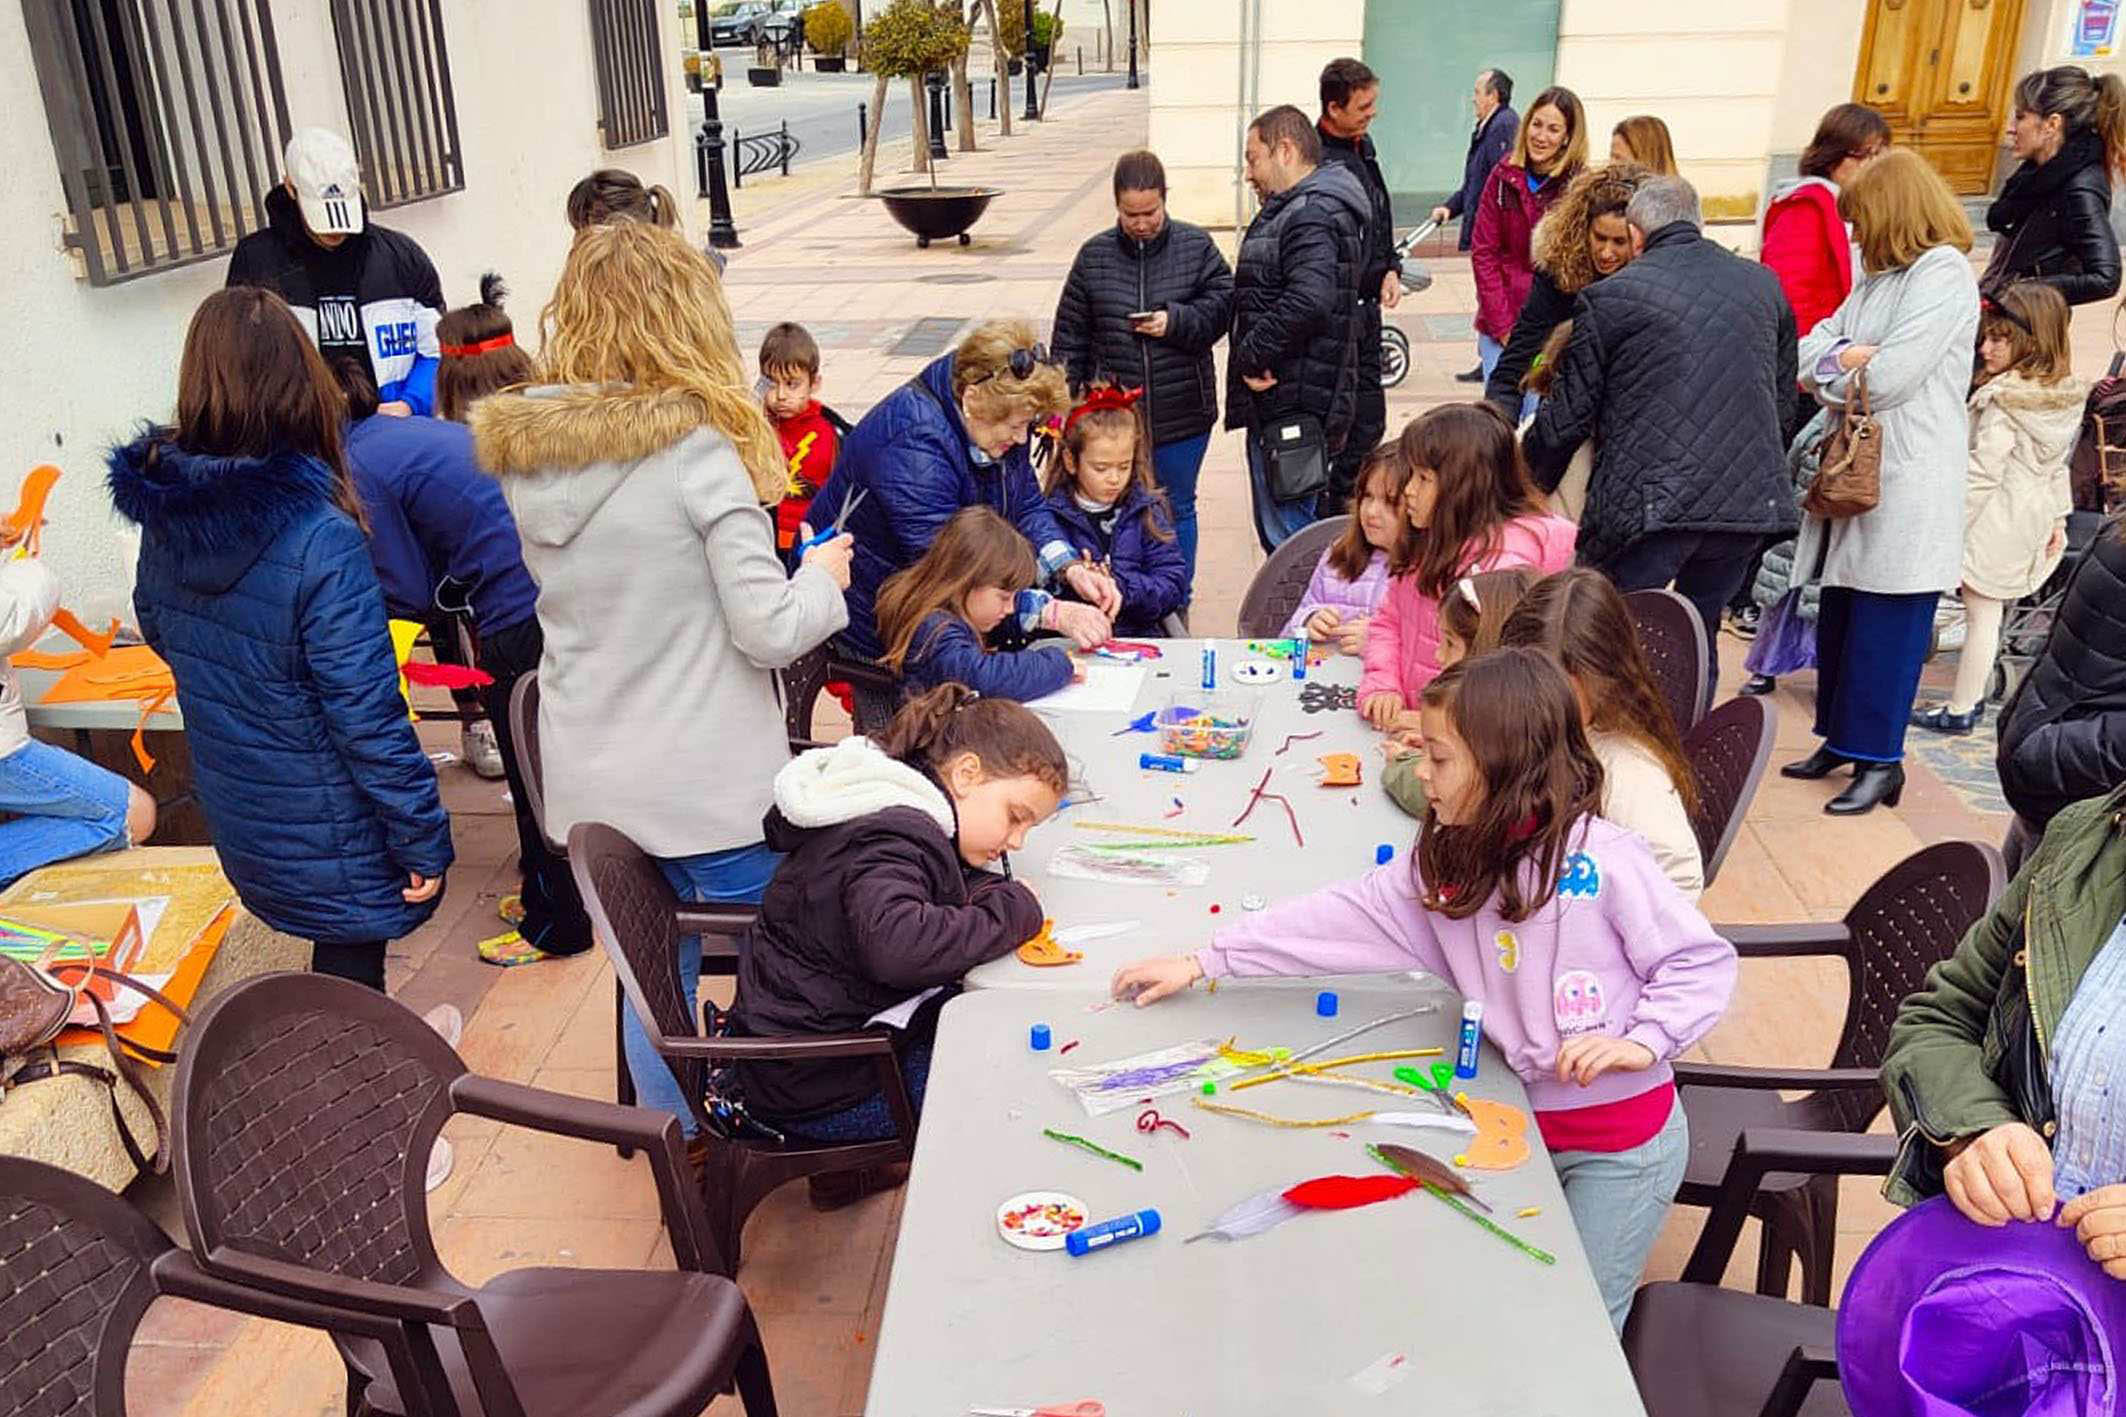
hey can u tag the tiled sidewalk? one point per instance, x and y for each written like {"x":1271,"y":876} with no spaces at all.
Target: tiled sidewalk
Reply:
{"x":823,"y":257}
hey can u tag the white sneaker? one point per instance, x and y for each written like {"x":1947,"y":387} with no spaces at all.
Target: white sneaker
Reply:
{"x":440,"y":1159}
{"x":482,"y":753}
{"x":448,"y":1021}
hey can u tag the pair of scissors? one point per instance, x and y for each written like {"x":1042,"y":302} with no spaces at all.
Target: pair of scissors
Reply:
{"x":851,"y":500}
{"x":1087,"y":1408}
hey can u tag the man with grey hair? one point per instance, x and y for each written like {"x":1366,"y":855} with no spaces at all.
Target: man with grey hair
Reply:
{"x":1680,"y":368}
{"x":1489,"y":143}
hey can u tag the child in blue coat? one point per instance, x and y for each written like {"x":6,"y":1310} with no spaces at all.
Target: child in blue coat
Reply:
{"x":1101,"y":490}
{"x":255,"y":585}
{"x":937,"y":617}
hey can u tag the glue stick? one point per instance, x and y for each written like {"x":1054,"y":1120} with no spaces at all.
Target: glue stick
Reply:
{"x":1472,"y":1037}
{"x":1166,"y":762}
{"x":1133,"y":1226}
{"x":1210,"y":665}
{"x":1299,"y":657}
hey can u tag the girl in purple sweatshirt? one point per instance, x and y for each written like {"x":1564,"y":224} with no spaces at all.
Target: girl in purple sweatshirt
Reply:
{"x":1593,"y":969}
{"x":1352,"y":575}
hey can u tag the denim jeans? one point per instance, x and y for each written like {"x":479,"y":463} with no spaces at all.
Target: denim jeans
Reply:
{"x":1275,"y":522}
{"x":1618,"y":1200}
{"x":64,"y":806}
{"x":1488,"y":351}
{"x":871,"y":1119}
{"x":1175,"y":466}
{"x":740,"y":874}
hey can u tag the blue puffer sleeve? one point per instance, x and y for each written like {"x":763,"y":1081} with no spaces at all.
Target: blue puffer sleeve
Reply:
{"x":946,"y":651}
{"x":347,"y":649}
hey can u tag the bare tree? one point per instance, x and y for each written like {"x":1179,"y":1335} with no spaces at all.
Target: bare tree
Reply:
{"x":1107,"y":20}
{"x":1003,"y":63}
{"x":921,"y":125}
{"x":963,"y":98}
{"x":878,"y":121}
{"x":1055,"y":57}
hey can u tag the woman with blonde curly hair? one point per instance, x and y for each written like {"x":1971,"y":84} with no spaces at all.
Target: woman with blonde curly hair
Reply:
{"x":955,"y":436}
{"x":637,"y":473}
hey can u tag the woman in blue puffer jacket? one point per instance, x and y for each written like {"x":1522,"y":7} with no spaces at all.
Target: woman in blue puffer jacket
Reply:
{"x":255,"y":584}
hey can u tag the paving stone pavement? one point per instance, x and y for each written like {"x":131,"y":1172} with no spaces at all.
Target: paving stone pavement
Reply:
{"x":816,"y":253}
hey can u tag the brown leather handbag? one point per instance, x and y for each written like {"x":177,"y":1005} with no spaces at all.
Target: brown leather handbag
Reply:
{"x":35,"y":1002}
{"x":1849,"y":469}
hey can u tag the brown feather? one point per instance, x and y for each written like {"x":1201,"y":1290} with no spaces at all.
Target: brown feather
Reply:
{"x":1428,"y":1169}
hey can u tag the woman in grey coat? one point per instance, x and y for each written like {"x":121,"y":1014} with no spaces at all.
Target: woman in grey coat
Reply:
{"x":1908,"y":327}
{"x":637,"y":477}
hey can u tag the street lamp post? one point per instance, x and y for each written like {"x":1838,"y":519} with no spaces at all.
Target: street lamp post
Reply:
{"x":1132,"y":42}
{"x":934,"y":82}
{"x":1033,"y":107}
{"x":723,"y":233}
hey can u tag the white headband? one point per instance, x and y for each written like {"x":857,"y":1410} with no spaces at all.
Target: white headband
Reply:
{"x":1467,"y":588}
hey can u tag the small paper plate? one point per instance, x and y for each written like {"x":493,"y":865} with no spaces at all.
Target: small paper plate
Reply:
{"x":1038,"y":1220}
{"x":1258,"y":671}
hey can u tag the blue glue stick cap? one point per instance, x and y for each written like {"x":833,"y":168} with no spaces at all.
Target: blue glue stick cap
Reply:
{"x":1039,"y":1039}
{"x":1383,"y":854}
{"x":1325,"y":1003}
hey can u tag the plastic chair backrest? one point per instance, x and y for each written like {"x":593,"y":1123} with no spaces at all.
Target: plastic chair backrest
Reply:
{"x":1727,"y":752}
{"x":801,"y":683}
{"x":1674,"y":640}
{"x":1902,"y":926}
{"x":524,"y":737}
{"x":635,"y":915}
{"x":1275,"y":591}
{"x":305,"y":1110}
{"x":75,"y":1278}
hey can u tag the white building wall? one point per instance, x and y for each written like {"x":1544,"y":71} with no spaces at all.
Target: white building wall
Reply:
{"x":83,"y":364}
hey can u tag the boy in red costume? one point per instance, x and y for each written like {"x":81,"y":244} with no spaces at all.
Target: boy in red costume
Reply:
{"x":789,"y":388}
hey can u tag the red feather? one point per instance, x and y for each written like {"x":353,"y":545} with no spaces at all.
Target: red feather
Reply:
{"x":1344,"y":1192}
{"x":446,"y":676}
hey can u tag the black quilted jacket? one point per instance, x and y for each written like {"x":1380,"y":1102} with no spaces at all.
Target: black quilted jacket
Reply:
{"x":1295,"y":314}
{"x":1358,"y":157}
{"x":2063,"y":735}
{"x":1680,"y":368}
{"x":1179,"y":271}
{"x":2054,"y":224}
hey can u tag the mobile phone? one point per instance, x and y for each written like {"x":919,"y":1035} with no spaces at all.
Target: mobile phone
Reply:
{"x":1138,"y":317}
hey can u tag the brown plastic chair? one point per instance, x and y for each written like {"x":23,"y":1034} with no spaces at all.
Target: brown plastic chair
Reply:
{"x":718,"y":922}
{"x":79,"y":1267}
{"x":1698,"y":1350}
{"x":803,"y":681}
{"x":1674,"y":640}
{"x":1727,"y":752}
{"x":1277,"y":588}
{"x":306,"y":1107}
{"x":639,"y":921}
{"x":1902,"y":926}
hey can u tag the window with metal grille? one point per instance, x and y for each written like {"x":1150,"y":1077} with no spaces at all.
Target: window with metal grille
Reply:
{"x":396,"y":70}
{"x":168,"y":120}
{"x":624,"y":43}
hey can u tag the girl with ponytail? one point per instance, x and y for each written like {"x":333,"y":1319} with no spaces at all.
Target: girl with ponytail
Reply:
{"x":886,"y":890}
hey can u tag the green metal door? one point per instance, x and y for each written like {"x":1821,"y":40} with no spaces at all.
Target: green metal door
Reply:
{"x":1427,"y":53}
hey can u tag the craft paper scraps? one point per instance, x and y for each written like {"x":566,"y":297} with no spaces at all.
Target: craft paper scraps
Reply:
{"x":26,"y":523}
{"x":1127,"y":868}
{"x":1110,"y":1087}
{"x":1340,"y":770}
{"x":129,"y":672}
{"x":97,"y":643}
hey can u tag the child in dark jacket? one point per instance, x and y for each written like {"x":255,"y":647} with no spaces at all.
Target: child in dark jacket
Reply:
{"x":885,"y":892}
{"x":1101,"y":489}
{"x":937,"y":616}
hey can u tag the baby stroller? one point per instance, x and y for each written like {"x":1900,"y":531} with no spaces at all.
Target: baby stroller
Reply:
{"x":1394,"y":344}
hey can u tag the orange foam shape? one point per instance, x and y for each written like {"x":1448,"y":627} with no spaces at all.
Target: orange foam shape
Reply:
{"x":1042,"y":951}
{"x":1501,"y":1140}
{"x":1340,"y":770}
{"x":26,"y":523}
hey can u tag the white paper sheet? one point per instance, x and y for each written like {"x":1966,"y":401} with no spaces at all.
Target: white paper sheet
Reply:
{"x":1108,"y":688}
{"x":900,"y":1013}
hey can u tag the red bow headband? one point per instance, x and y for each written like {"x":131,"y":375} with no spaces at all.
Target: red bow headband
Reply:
{"x":466,"y":351}
{"x":1105,"y":399}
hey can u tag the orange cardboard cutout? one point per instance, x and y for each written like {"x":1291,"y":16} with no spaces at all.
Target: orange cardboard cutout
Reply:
{"x":1340,"y":770}
{"x":1501,"y":1140}
{"x":128,"y":672}
{"x":1042,"y":951}
{"x":26,"y":523}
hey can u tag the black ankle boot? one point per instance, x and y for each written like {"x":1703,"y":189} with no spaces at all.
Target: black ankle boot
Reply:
{"x":1874,"y":783}
{"x":1759,"y":684}
{"x":1821,"y":763}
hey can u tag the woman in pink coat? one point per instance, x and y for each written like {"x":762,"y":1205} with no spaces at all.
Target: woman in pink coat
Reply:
{"x":1548,"y":153}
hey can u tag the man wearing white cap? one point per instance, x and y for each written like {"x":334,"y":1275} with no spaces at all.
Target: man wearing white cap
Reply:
{"x":363,"y":292}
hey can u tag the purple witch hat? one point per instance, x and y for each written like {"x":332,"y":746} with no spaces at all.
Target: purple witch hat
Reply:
{"x":1944,"y":1317}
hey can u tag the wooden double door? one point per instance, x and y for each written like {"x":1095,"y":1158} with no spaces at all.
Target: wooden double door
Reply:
{"x":1941,"y":72}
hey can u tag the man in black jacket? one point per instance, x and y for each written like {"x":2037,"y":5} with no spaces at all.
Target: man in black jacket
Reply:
{"x":1681,"y":366}
{"x":1145,"y":301}
{"x":362,"y":291}
{"x":1350,"y":95}
{"x":1496,"y":125}
{"x":1293,"y":366}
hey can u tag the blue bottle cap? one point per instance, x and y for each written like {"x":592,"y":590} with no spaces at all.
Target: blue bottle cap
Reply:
{"x":1325,"y":1003}
{"x":1383,"y":854}
{"x":1039,"y":1039}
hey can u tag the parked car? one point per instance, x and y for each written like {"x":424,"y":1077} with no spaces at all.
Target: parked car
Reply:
{"x":749,"y":22}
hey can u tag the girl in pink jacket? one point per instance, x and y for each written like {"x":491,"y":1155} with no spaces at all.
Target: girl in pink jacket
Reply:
{"x":1470,"y":507}
{"x":1593,"y":970}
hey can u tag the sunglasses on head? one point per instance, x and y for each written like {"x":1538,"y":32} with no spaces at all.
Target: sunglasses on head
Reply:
{"x":1024,"y":361}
